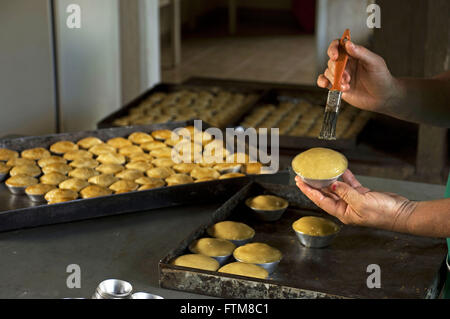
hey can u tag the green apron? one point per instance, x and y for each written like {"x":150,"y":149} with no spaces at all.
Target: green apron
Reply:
{"x":446,"y":294}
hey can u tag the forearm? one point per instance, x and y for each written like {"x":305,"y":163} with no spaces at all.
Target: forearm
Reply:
{"x":424,"y":101}
{"x":430,"y":218}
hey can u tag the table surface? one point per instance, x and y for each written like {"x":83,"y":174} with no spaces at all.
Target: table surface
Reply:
{"x":128,"y":247}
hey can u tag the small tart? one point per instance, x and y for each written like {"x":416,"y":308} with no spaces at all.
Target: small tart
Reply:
{"x":111,"y":158}
{"x":130,"y":174}
{"x":30,"y":170}
{"x":139,"y":165}
{"x":243,"y":269}
{"x":144,"y":187}
{"x":124,"y":186}
{"x":257,"y":253}
{"x":110,"y":168}
{"x":197,"y":261}
{"x":150,"y":180}
{"x":58,"y":195}
{"x":89,"y":141}
{"x":253,"y":168}
{"x":213,"y":247}
{"x":53,"y":178}
{"x":57,"y":167}
{"x":104,"y":180}
{"x":231,"y":230}
{"x":150,"y":146}
{"x":119,"y":142}
{"x":223,"y":167}
{"x":141,"y":157}
{"x":179,"y":179}
{"x":162,"y":134}
{"x":4,"y":168}
{"x":140,"y":138}
{"x":162,"y":152}
{"x":102,"y":149}
{"x":315,"y":226}
{"x":84,"y":163}
{"x":74,"y":184}
{"x":204,"y":172}
{"x":163,"y":162}
{"x":17,"y":161}
{"x":231,"y":175}
{"x":83,"y":173}
{"x":131,"y":149}
{"x":78,"y":154}
{"x":94,"y":191}
{"x":7,"y":154}
{"x":267,"y":202}
{"x":207,"y":179}
{"x":39,"y":189}
{"x":51,"y":160}
{"x":62,"y":147}
{"x":160,"y":172}
{"x":35,"y":153}
{"x":21,"y":181}
{"x":185,"y":168}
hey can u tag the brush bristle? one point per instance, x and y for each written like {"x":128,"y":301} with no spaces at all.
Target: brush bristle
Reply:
{"x":328,"y":131}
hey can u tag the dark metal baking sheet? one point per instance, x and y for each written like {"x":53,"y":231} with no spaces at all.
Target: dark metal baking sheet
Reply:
{"x":17,"y":211}
{"x":411,"y":266}
{"x":165,"y":87}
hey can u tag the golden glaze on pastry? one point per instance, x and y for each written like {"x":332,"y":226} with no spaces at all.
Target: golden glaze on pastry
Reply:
{"x":253,"y":168}
{"x":160,"y":172}
{"x":110,"y":168}
{"x":92,"y":191}
{"x":162,"y":134}
{"x":207,"y":179}
{"x":150,"y":146}
{"x":140,"y":138}
{"x":142,"y":166}
{"x":231,"y":230}
{"x":84,"y":163}
{"x":319,"y":163}
{"x":62,"y":147}
{"x":257,"y":253}
{"x":231,"y":175}
{"x":141,"y":157}
{"x":156,"y":184}
{"x":315,"y":226}
{"x":223,"y":167}
{"x":123,"y":186}
{"x":162,"y":152}
{"x":57,"y":167}
{"x":30,"y":170}
{"x":51,"y":160}
{"x":246,"y":270}
{"x":197,"y":261}
{"x":78,"y":154}
{"x":111,"y":158}
{"x":212,"y":247}
{"x":118,"y":142}
{"x":130,"y":174}
{"x":102,"y":149}
{"x":53,"y":178}
{"x":39,"y":189}
{"x":267,"y":202}
{"x":204,"y":172}
{"x":163,"y":162}
{"x":178,"y":179}
{"x":21,"y":181}
{"x":60,"y":195}
{"x":35,"y":153}
{"x":17,"y":161}
{"x":83,"y":173}
{"x":7,"y":154}
{"x":4,"y":168}
{"x":129,"y":150}
{"x":74,"y":184}
{"x":150,"y":180}
{"x":104,"y":180}
{"x":184,"y":168}
{"x":89,"y":142}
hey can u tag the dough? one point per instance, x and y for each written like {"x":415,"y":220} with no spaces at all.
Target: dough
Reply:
{"x":243,"y":269}
{"x":51,"y":160}
{"x":231,"y":230}
{"x":35,"y":153}
{"x":213,"y":247}
{"x":257,"y":253}
{"x":7,"y":154}
{"x":319,"y":163}
{"x":62,"y":147}
{"x":89,"y":141}
{"x":118,"y":142}
{"x":267,"y":202}
{"x":315,"y":226}
{"x":140,"y":138}
{"x":197,"y":261}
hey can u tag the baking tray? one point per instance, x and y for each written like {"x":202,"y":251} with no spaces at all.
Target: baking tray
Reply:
{"x":166,"y":88}
{"x":18,"y":211}
{"x":411,"y":266}
{"x":278,"y":92}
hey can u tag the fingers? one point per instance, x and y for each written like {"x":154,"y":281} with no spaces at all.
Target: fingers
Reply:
{"x":367,"y":57}
{"x":351,"y":180}
{"x":349,"y":194}
{"x":323,"y":82}
{"x":333,"y":51}
{"x":326,"y":203}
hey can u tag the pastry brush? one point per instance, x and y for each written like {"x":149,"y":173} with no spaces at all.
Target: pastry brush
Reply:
{"x":330,"y":118}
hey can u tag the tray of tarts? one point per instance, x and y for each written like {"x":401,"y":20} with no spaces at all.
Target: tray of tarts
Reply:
{"x":73,"y":176}
{"x":163,"y":103}
{"x":299,"y":251}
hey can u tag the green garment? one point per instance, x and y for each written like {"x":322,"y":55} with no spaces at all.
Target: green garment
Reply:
{"x":446,"y":294}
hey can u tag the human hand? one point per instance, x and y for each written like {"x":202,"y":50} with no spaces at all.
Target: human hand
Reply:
{"x":366,"y":82}
{"x":354,"y":204}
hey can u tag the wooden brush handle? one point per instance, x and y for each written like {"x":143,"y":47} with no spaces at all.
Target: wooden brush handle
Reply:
{"x":341,"y":61}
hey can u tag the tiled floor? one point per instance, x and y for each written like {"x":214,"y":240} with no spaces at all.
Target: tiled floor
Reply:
{"x":283,"y":58}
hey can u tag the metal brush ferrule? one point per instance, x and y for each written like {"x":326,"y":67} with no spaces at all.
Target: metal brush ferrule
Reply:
{"x":333,"y":101}
{"x":328,"y":131}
